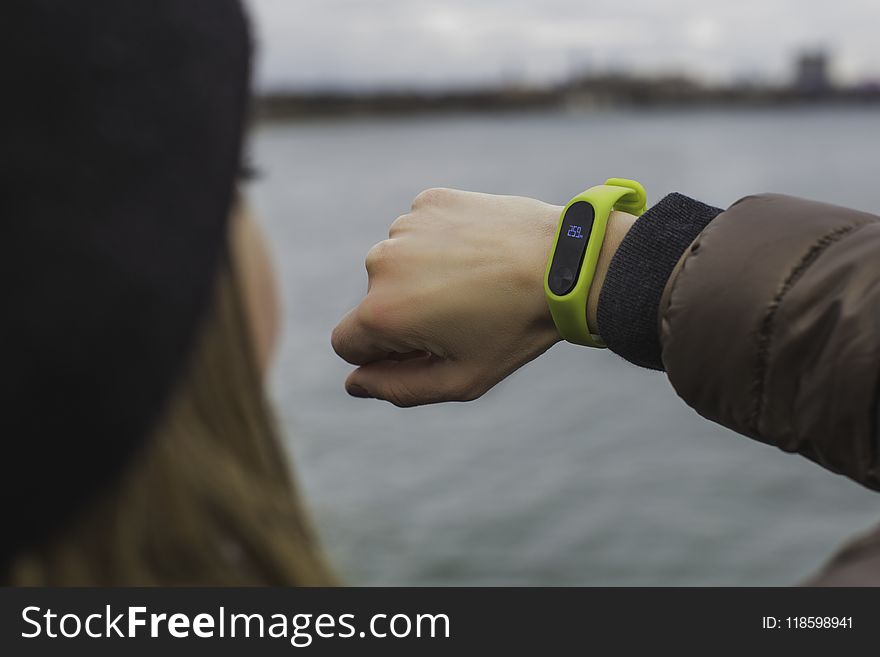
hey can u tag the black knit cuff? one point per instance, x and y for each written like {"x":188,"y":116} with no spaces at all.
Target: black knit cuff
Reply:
{"x":630,"y":298}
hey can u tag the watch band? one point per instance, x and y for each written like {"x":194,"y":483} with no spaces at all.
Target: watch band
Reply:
{"x":572,"y":263}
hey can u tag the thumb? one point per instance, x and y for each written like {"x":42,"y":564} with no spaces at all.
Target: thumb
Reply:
{"x":413,"y":382}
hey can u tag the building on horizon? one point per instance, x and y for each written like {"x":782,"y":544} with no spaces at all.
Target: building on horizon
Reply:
{"x":812,"y":72}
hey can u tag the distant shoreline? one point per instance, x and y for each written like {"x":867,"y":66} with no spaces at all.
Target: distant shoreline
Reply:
{"x":594,"y":93}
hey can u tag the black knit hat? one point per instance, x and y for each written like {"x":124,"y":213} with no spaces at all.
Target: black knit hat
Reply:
{"x":120,"y":136}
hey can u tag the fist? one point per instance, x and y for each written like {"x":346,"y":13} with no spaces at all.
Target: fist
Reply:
{"x":455,"y":299}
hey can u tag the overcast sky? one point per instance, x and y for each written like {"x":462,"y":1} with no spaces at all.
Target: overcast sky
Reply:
{"x":330,"y":43}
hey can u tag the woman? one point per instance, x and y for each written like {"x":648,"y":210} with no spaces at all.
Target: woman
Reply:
{"x":139,"y":310}
{"x":140,"y":315}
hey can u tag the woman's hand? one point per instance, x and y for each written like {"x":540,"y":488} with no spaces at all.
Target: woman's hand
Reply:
{"x":455,"y":301}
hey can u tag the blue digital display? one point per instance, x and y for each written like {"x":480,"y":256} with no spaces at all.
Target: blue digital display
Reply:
{"x":574,"y":237}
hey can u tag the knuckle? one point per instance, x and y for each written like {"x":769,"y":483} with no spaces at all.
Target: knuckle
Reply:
{"x":394,"y":398}
{"x":401,"y":396}
{"x":433,"y":196}
{"x":340,"y":340}
{"x":468,"y":390}
{"x":372,"y":315}
{"x":400,"y":224}
{"x":467,"y":395}
{"x":337,"y":340}
{"x":378,"y":256}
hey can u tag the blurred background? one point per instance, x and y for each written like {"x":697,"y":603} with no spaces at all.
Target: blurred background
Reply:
{"x":580,"y":469}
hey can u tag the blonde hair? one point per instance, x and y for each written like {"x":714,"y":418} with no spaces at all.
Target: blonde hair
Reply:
{"x":209,"y":500}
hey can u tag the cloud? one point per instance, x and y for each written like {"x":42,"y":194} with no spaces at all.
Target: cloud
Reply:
{"x":327,"y":43}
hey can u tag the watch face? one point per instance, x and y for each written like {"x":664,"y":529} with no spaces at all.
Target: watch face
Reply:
{"x":577,"y":224}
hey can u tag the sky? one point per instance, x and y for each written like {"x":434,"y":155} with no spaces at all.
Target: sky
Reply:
{"x":307,"y":44}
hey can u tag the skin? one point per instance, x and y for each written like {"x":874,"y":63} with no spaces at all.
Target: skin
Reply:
{"x":455,"y":300}
{"x":256,"y":275}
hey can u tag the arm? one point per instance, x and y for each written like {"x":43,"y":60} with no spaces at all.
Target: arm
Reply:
{"x":768,"y":324}
{"x":766,"y":317}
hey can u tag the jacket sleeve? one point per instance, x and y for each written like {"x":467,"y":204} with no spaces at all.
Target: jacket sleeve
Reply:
{"x":765,"y":317}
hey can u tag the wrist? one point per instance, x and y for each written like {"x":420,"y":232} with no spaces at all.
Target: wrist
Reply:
{"x":588,"y":228}
{"x":630,"y":300}
{"x":619,"y":224}
{"x":547,"y":222}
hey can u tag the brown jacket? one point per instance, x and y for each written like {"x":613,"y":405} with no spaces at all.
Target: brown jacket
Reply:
{"x":769,"y":324}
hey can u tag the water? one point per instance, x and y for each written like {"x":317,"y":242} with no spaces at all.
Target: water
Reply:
{"x":580,"y":469}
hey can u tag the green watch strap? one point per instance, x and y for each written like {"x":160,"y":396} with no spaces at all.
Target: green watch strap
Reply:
{"x":572,"y":263}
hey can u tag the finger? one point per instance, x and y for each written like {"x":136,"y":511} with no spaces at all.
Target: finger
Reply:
{"x":413,"y":382}
{"x":357,"y":342}
{"x":409,"y":355}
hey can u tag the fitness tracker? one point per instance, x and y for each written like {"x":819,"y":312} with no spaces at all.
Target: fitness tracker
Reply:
{"x":579,"y":238}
